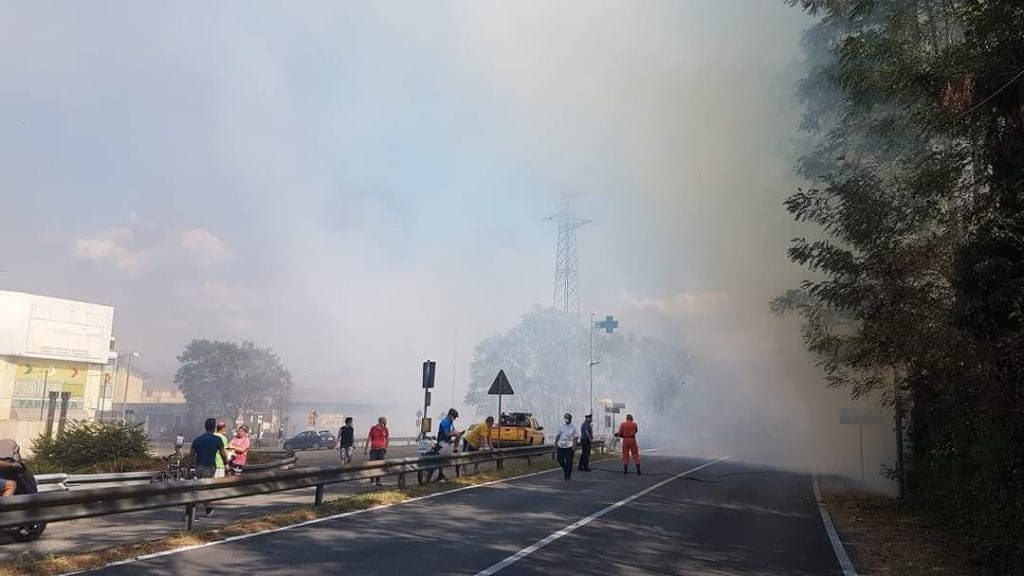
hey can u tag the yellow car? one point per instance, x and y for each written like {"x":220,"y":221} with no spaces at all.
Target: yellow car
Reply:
{"x":517,"y":429}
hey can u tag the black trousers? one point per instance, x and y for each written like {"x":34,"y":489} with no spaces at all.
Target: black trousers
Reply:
{"x":565,"y":457}
{"x":584,"y":454}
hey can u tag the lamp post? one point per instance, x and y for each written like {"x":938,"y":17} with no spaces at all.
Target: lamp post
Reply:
{"x":127,"y":376}
{"x":609,"y":324}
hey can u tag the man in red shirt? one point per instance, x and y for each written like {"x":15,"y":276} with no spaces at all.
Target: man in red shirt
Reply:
{"x":377,"y":442}
{"x":627,"y":431}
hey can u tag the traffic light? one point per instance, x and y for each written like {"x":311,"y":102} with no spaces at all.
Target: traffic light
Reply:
{"x":428,"y":373}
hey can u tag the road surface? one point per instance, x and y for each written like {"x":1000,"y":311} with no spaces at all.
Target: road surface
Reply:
{"x":724,"y":518}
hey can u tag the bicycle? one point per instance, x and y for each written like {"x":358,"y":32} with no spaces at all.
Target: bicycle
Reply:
{"x":174,"y":470}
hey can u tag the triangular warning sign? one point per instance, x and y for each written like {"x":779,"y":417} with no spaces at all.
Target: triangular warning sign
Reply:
{"x":501,"y":385}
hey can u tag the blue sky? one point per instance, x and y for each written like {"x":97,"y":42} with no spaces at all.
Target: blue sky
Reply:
{"x":352,"y":183}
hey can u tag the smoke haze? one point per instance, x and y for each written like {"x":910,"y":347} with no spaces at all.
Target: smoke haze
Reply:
{"x":363,"y":187}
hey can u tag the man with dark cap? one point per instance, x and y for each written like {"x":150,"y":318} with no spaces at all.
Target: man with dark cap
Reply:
{"x":586,"y":437}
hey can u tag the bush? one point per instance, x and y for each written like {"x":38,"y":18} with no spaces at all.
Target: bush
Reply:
{"x":92,"y":447}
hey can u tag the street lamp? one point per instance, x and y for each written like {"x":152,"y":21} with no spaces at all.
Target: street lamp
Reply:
{"x":609,"y":324}
{"x":127,"y":375}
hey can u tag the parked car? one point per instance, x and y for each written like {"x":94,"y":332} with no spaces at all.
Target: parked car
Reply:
{"x":517,"y":429}
{"x":307,"y":440}
{"x":327,"y":439}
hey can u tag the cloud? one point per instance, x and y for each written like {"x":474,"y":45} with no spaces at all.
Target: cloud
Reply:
{"x":684,"y":303}
{"x":205,"y":247}
{"x":111,"y":246}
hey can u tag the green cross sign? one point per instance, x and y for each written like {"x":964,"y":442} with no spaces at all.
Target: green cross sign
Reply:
{"x":609,"y":324}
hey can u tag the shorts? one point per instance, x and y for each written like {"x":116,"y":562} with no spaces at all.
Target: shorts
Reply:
{"x":378,"y":453}
{"x":345,"y":452}
{"x":467,"y":447}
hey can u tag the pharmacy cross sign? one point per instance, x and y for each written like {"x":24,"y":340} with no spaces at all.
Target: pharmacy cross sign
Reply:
{"x":609,"y":324}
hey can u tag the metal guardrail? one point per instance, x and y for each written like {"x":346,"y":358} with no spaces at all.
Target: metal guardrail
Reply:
{"x":90,"y":502}
{"x":62,"y":482}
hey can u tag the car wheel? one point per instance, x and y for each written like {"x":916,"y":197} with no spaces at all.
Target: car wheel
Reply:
{"x":316,"y":445}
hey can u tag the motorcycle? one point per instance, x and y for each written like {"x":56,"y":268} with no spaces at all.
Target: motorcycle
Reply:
{"x":14,"y":468}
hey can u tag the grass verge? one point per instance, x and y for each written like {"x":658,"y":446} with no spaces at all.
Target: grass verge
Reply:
{"x":60,"y":564}
{"x":888,"y":537}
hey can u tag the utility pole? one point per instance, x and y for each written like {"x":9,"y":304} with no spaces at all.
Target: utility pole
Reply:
{"x":567,"y":290}
{"x":127,"y":376}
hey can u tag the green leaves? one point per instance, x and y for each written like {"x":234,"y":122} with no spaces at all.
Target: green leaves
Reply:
{"x":229,"y":380}
{"x":91,"y":447}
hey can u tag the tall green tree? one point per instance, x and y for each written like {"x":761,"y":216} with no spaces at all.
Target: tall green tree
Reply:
{"x":915,"y":145}
{"x":232,"y":381}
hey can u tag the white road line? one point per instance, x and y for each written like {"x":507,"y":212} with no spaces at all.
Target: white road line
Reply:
{"x":306,"y":523}
{"x":583,"y":522}
{"x":837,"y":545}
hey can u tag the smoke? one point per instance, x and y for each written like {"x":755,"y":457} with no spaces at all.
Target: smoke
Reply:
{"x":361,"y":188}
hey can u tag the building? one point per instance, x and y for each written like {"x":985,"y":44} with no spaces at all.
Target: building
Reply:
{"x":51,"y":345}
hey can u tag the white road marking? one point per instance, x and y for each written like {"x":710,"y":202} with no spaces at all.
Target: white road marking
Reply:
{"x":306,"y":523}
{"x":837,"y":545}
{"x":583,"y":522}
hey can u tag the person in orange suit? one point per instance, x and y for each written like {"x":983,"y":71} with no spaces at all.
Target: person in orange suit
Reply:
{"x":627,"y":431}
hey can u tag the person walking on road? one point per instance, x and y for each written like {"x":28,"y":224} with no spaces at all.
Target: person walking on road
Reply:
{"x":206,"y":448}
{"x":566,"y":441}
{"x":346,"y":441}
{"x":586,"y":438}
{"x":627,"y":431}
{"x":377,"y":442}
{"x":447,"y":437}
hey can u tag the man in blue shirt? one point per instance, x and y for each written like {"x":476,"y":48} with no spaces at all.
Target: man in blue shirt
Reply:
{"x":205,"y":449}
{"x":447,"y":436}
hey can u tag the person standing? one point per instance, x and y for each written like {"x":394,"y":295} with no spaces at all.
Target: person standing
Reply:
{"x":627,"y":431}
{"x":222,"y":428}
{"x":447,"y":437}
{"x":377,"y":442}
{"x":565,"y":442}
{"x":346,"y":441}
{"x":206,"y":448}
{"x":239,"y":446}
{"x":586,"y":439}
{"x":280,"y":436}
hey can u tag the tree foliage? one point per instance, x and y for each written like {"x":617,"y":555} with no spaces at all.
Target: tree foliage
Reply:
{"x":545,"y":357}
{"x":914,"y":121}
{"x":232,"y":381}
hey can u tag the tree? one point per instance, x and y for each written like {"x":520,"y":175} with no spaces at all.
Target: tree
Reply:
{"x":915,"y":144}
{"x":232,"y":381}
{"x":545,"y":358}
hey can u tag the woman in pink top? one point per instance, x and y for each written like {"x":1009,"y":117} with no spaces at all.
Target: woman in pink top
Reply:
{"x":240,"y":446}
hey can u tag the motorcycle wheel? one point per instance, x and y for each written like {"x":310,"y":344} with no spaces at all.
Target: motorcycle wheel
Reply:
{"x":28,"y":533}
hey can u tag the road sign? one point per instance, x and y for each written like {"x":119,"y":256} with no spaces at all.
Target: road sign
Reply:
{"x":500,"y":386}
{"x":429,"y":368}
{"x":865,"y":415}
{"x":609,"y":324}
{"x":619,"y":405}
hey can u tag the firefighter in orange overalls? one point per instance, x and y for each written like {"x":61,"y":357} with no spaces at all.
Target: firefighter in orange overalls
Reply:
{"x":627,"y":431}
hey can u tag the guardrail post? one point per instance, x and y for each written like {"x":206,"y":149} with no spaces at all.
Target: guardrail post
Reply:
{"x":190,"y":516}
{"x":401,"y":480}
{"x":501,"y":464}
{"x":319,"y":498}
{"x":458,"y":470}
{"x":527,"y":461}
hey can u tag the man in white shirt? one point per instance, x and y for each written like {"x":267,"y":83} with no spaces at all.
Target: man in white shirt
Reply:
{"x":565,"y":442}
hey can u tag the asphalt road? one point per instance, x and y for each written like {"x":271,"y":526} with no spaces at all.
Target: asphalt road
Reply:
{"x":728,"y":518}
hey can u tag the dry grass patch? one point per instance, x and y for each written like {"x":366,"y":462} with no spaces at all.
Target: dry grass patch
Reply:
{"x":51,"y":565}
{"x":890,"y":538}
